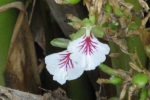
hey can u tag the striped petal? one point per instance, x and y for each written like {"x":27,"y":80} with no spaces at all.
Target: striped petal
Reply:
{"x":62,"y":67}
{"x":88,"y":51}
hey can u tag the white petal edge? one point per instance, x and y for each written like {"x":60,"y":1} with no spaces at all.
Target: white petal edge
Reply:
{"x":59,"y":74}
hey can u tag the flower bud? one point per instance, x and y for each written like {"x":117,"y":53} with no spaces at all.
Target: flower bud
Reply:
{"x":67,"y":1}
{"x":60,"y":42}
{"x":115,"y":80}
{"x":140,"y":80}
{"x":73,"y":18}
{"x":143,"y":95}
{"x":73,"y":1}
{"x":75,"y":25}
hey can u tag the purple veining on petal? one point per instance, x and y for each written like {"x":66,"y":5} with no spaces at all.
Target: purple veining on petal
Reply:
{"x":88,"y":46}
{"x":65,"y":61}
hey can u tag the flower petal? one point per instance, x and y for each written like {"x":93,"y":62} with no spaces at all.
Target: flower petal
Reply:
{"x":88,"y":51}
{"x":74,"y":73}
{"x":63,"y":67}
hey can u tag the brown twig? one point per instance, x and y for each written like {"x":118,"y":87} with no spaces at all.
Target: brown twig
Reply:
{"x":12,"y":94}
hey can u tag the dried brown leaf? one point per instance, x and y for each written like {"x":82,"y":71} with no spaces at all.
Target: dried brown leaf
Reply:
{"x":121,"y":43}
{"x":23,"y":74}
{"x":114,"y":55}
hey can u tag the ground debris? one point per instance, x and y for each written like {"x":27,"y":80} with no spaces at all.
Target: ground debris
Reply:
{"x":12,"y":94}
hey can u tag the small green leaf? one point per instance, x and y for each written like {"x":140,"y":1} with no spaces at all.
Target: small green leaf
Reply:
{"x":105,"y":24}
{"x":118,"y":12}
{"x":137,"y":7}
{"x":72,"y":36}
{"x":132,"y":26}
{"x":138,"y":21}
{"x":60,"y":42}
{"x":113,"y":26}
{"x":98,"y":31}
{"x":86,"y":22}
{"x":108,"y":8}
{"x":78,"y":34}
{"x":75,"y":25}
{"x":71,"y":23}
{"x":92,"y":18}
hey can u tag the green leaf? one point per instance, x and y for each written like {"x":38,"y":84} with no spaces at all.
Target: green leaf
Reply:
{"x":137,"y":7}
{"x":105,"y":24}
{"x":79,"y":33}
{"x":138,"y":21}
{"x":132,"y":26}
{"x":113,"y":26}
{"x":7,"y":23}
{"x":98,"y":31}
{"x":92,"y":18}
{"x":86,"y":22}
{"x":75,"y":25}
{"x":108,"y":8}
{"x":118,"y":12}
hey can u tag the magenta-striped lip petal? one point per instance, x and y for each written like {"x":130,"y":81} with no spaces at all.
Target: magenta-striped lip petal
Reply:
{"x":65,"y":61}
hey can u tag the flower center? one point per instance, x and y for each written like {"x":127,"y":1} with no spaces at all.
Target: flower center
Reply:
{"x":65,"y":61}
{"x":88,"y":46}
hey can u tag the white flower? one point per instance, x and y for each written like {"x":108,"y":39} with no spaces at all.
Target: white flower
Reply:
{"x":84,"y":53}
{"x":63,"y":67}
{"x":88,"y":51}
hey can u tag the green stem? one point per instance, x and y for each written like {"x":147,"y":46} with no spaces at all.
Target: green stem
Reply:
{"x":80,"y":89}
{"x":135,"y":45}
{"x":107,"y":70}
{"x":122,"y":61}
{"x":7,"y":23}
